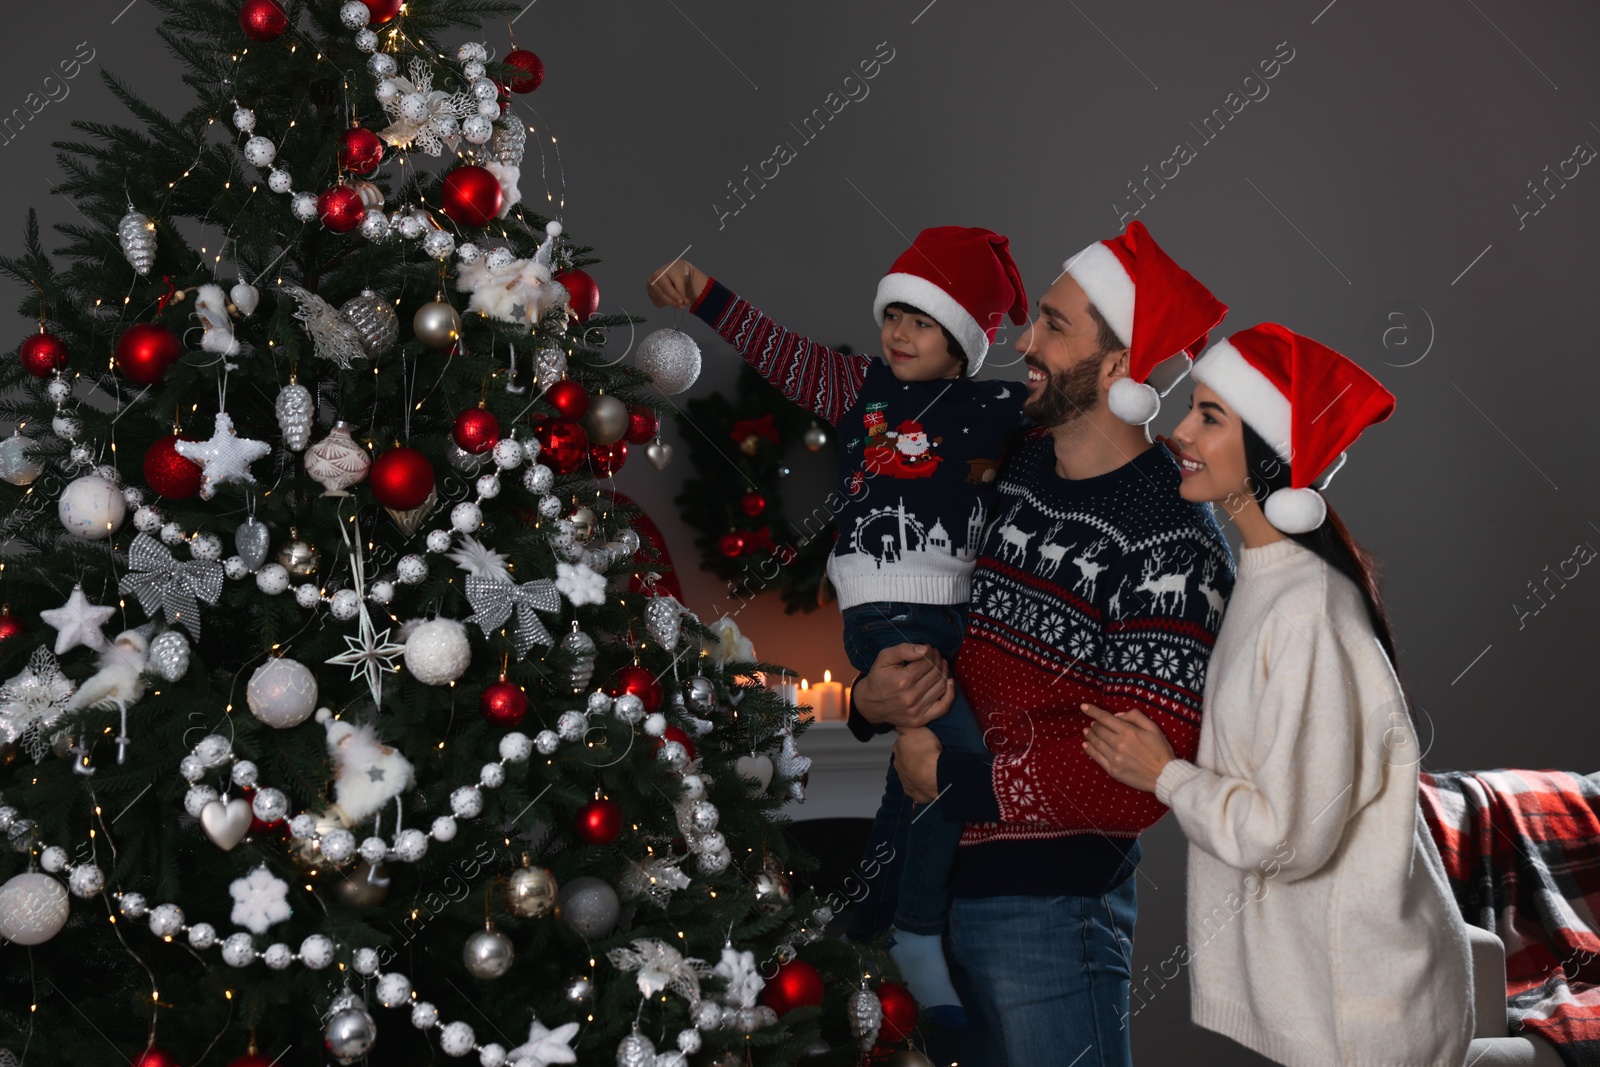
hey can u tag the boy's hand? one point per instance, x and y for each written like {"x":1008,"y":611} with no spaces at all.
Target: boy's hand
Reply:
{"x":676,"y":284}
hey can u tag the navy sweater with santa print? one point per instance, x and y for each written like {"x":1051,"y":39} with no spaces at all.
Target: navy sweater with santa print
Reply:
{"x":918,"y":461}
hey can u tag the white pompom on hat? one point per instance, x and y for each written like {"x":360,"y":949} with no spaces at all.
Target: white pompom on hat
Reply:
{"x":1308,"y":402}
{"x":1155,"y":307}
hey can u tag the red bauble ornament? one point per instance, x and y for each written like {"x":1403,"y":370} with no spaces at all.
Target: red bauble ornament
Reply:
{"x":899,"y":1013}
{"x":753,"y":504}
{"x":360,"y":150}
{"x":263,"y":20}
{"x":731,"y":544}
{"x":145,"y":351}
{"x":476,"y":430}
{"x":673,"y":733}
{"x":606,"y":460}
{"x":599,"y":822}
{"x":564,"y":445}
{"x":583,"y":293}
{"x":169,"y":474}
{"x":155,"y":1057}
{"x":471,"y":196}
{"x":568,"y":397}
{"x":383,"y":10}
{"x":796,"y":985}
{"x":503,"y":705}
{"x":401,"y":479}
{"x":532,"y":68}
{"x":341,"y":208}
{"x":42,"y":354}
{"x":643,"y":424}
{"x":641,"y":683}
{"x":10,"y":625}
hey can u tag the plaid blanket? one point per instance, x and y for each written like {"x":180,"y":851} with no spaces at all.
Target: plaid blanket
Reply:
{"x":1522,"y":850}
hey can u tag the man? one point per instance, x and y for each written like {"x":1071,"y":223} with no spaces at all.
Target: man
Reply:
{"x":1096,"y":582}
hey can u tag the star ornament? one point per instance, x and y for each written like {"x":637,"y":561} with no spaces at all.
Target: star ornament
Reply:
{"x":226,"y":457}
{"x":370,"y":653}
{"x":545,"y":1046}
{"x":78,"y":622}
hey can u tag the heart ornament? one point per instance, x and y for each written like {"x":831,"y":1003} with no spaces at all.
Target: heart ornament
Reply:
{"x":226,"y":823}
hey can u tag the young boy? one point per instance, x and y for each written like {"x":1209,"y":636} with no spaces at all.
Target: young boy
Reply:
{"x":920,"y":444}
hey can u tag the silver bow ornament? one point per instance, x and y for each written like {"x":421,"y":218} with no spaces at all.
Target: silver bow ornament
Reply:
{"x":162,"y":583}
{"x":492,"y":603}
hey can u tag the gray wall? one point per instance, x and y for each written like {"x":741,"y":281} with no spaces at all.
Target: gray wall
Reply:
{"x":1372,"y":189}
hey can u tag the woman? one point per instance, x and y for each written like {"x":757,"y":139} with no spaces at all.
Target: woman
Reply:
{"x":1321,"y":927}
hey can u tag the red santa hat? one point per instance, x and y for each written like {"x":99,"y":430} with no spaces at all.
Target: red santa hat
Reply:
{"x":1305,"y":400}
{"x":908,"y":426}
{"x":1175,"y":316}
{"x":962,"y":276}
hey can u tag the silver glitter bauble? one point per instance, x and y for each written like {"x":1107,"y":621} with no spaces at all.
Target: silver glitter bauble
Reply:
{"x":588,"y":907}
{"x":636,"y":1050}
{"x":580,"y":646}
{"x":437,"y":324}
{"x":337,"y":462}
{"x":815,"y":437}
{"x":488,"y":954}
{"x":282,"y":693}
{"x":251,"y":539}
{"x":33,"y":908}
{"x":16,"y":466}
{"x":671,"y":359}
{"x":772,"y":891}
{"x":294,"y":410}
{"x":438,"y":244}
{"x":662,"y":618}
{"x":529,"y":891}
{"x":509,"y":142}
{"x":659,"y":453}
{"x":606,"y":420}
{"x":700,"y":693}
{"x":549,"y":365}
{"x":579,"y":994}
{"x":374,"y":318}
{"x":298,"y":557}
{"x":169,"y":656}
{"x":137,"y":235}
{"x":583,"y":523}
{"x":350,"y":1035}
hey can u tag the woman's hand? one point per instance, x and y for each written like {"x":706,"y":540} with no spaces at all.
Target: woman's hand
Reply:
{"x":916,"y":759}
{"x":1130,"y":747}
{"x":908,"y":686}
{"x":676,"y":285}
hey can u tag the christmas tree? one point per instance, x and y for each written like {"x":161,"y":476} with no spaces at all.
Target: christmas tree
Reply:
{"x":342,"y":709}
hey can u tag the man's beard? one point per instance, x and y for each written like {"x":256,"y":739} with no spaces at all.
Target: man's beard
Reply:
{"x":1066,"y":395}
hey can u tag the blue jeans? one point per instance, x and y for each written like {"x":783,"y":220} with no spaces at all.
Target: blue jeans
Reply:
{"x":913,"y":893}
{"x":1045,"y":979}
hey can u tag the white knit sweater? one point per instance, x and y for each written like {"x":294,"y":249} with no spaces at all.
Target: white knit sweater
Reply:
{"x":1321,"y":928}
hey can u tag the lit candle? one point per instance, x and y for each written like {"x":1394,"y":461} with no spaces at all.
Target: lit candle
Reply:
{"x":787,"y":691}
{"x":805,"y":702}
{"x":828,"y":696}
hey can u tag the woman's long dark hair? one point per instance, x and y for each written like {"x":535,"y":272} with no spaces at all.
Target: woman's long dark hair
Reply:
{"x":1331,"y":540}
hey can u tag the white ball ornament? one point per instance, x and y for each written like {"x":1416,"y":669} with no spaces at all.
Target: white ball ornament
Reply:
{"x":338,"y":845}
{"x":346,"y":605}
{"x":303,"y":826}
{"x":549,"y":505}
{"x":304,"y":206}
{"x":277,"y":956}
{"x":171,"y":534}
{"x":501,"y":257}
{"x":53,"y":859}
{"x":457,"y":1039}
{"x":671,"y":359}
{"x":245,"y":773}
{"x":191,"y":769}
{"x":269,"y":805}
{"x":279,"y":181}
{"x":484,"y":89}
{"x":629,"y":708}
{"x":316,"y":951}
{"x":507,"y":453}
{"x":439,"y":541}
{"x":374,"y":226}
{"x":58,"y":390}
{"x":92,"y":508}
{"x":196,"y":799}
{"x":86,"y":880}
{"x":472,"y":52}
{"x":367,"y":41}
{"x":438,"y":244}
{"x":655,"y":724}
{"x":492,"y":776}
{"x":413,"y":106}
{"x":382,"y":592}
{"x":388,"y":90}
{"x":515,"y":747}
{"x":468,"y":253}
{"x":374,"y":850}
{"x":488,"y":487}
{"x":424,"y":1016}
{"x":272,"y":579}
{"x":202,"y":936}
{"x":467,"y":802}
{"x":477,"y":128}
{"x":444,"y":828}
{"x":437,"y":652}
{"x":466,"y":517}
{"x":166,"y":920}
{"x":410,"y":227}
{"x":234,"y":567}
{"x":354,"y":15}
{"x":66,"y":427}
{"x":473,"y":70}
{"x":133,"y":905}
{"x":492,"y":1055}
{"x":238,"y":950}
{"x":81,"y":455}
{"x":538,"y":478}
{"x":260,"y":151}
{"x":382,"y":67}
{"x":282,"y":693}
{"x":365,"y":962}
{"x":244,"y":120}
{"x":132,"y":496}
{"x":206,"y":546}
{"x":411,"y":570}
{"x":147,"y":519}
{"x":489,"y":109}
{"x":410,"y":845}
{"x":307,"y":596}
{"x":547,"y":741}
{"x":393,"y":990}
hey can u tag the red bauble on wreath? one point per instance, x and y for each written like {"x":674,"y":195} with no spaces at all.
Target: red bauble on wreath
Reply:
{"x":172,"y":476}
{"x":753,"y":504}
{"x":899,"y":1013}
{"x":503,"y":705}
{"x":643,"y":424}
{"x":341,"y":208}
{"x":381,"y":11}
{"x":796,"y":985}
{"x":731,"y":544}
{"x":360,"y":150}
{"x":476,"y":430}
{"x":641,"y":683}
{"x":401,"y":479}
{"x":583,"y":295}
{"x":263,"y":20}
{"x":563,"y":445}
{"x":674,"y":733}
{"x":598,"y":822}
{"x":606,"y":460}
{"x":10,"y":625}
{"x":532,"y":68}
{"x":145,"y":351}
{"x":568,"y":397}
{"x":471,"y":196}
{"x":43,"y":354}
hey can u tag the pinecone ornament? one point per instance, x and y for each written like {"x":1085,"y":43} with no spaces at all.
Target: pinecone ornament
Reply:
{"x":375,"y":319}
{"x":662,"y":617}
{"x":295,"y":408}
{"x":137,"y":235}
{"x":865,"y":1011}
{"x":582,"y":649}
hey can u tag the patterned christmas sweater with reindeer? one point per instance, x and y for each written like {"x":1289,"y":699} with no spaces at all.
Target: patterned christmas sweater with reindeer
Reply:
{"x":917,"y":460}
{"x":1105,"y":590}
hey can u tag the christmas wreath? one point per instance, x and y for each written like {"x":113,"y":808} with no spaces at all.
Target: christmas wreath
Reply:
{"x":741,"y":529}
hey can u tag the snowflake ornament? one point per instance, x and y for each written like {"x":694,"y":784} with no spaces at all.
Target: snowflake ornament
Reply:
{"x":580,"y":585}
{"x":744,"y":979}
{"x":421,"y":116}
{"x":260,"y":899}
{"x":31,"y":701}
